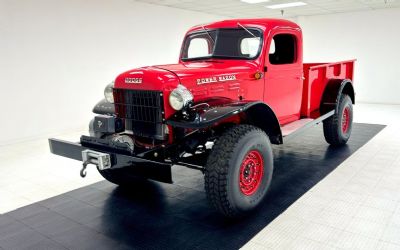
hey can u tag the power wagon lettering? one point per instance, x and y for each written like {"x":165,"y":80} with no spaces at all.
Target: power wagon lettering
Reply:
{"x":216,"y":79}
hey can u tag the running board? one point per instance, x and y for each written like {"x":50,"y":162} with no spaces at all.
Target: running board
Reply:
{"x":294,"y":128}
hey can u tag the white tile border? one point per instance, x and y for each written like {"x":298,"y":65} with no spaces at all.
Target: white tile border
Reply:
{"x":357,"y":206}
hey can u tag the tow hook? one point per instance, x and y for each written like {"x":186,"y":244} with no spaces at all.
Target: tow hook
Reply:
{"x":83,"y":170}
{"x":100,"y":160}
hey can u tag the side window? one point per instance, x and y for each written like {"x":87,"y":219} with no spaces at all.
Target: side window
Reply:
{"x":283,"y":49}
{"x":272,"y":47}
{"x":198,"y":47}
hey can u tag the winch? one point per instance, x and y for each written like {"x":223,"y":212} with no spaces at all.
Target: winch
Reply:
{"x":101,"y":160}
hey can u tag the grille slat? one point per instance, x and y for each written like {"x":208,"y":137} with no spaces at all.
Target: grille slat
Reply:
{"x":142,"y":111}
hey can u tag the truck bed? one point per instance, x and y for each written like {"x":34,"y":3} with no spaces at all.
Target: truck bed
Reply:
{"x":316,"y":77}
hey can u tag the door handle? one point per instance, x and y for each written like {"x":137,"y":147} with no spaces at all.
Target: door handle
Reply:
{"x":300,"y":78}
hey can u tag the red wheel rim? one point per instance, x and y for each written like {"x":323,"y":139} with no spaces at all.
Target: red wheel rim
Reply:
{"x":345,"y":120}
{"x":251,"y":172}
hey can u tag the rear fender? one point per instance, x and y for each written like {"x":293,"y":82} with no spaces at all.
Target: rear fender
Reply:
{"x":333,"y":90}
{"x":255,"y":113}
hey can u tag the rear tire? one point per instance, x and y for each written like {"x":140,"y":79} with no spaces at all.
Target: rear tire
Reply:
{"x":238,"y":171}
{"x":337,"y":128}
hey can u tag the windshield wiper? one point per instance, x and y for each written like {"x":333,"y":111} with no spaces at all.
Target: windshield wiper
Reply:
{"x":208,"y":33}
{"x":248,"y":31}
{"x":197,"y":58}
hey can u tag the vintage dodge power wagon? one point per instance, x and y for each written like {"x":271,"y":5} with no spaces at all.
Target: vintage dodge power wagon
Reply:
{"x":239,"y":86}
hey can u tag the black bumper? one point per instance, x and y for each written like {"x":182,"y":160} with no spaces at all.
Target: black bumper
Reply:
{"x":140,"y":167}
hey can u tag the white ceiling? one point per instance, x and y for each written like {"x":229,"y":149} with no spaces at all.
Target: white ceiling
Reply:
{"x":236,"y":8}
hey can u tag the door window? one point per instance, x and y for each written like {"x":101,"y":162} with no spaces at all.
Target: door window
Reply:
{"x":282,"y":49}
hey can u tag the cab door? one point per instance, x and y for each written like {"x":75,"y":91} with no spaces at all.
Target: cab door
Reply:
{"x":283,"y":76}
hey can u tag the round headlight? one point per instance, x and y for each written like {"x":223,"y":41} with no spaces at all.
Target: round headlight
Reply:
{"x":180,"y":97}
{"x":108,"y":93}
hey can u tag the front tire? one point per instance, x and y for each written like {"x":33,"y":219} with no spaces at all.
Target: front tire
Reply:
{"x":238,"y":171}
{"x":337,"y":128}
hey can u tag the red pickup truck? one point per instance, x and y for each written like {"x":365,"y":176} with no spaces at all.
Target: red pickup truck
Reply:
{"x":239,"y":86}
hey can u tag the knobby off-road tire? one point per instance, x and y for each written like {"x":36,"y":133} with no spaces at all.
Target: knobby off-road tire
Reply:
{"x":239,"y":170}
{"x":337,"y":128}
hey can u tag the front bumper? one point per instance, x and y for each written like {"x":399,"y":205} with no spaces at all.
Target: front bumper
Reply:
{"x":140,"y":167}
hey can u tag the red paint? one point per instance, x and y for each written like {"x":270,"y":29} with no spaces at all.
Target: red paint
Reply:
{"x":283,"y":83}
{"x":316,"y":77}
{"x":345,"y":120}
{"x":251,"y":172}
{"x":281,"y":86}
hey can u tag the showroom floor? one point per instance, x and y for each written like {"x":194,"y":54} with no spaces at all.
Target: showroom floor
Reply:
{"x":355,"y":207}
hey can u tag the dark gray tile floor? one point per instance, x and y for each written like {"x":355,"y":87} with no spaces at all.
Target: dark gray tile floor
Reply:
{"x":163,"y":216}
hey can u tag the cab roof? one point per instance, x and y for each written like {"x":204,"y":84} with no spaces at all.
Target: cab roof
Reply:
{"x":262,"y":23}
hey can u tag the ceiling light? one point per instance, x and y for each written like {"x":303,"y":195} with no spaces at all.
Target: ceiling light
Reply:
{"x":255,"y":1}
{"x":286,"y":5}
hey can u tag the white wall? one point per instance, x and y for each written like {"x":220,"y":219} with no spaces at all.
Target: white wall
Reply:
{"x":56,"y":56}
{"x":372,"y":37}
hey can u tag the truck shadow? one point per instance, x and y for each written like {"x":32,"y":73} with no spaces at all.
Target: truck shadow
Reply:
{"x":157,"y":215}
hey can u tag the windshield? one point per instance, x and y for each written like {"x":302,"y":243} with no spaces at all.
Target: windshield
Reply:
{"x":237,"y":43}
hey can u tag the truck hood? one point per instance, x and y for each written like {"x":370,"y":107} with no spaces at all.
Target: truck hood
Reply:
{"x":147,"y":78}
{"x":196,"y":73}
{"x":196,"y":76}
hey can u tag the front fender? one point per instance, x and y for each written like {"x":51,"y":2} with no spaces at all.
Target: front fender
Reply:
{"x":206,"y":117}
{"x":254,"y":112}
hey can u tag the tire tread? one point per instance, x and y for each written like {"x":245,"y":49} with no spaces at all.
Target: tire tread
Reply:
{"x":331,"y":125}
{"x":216,"y":171}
